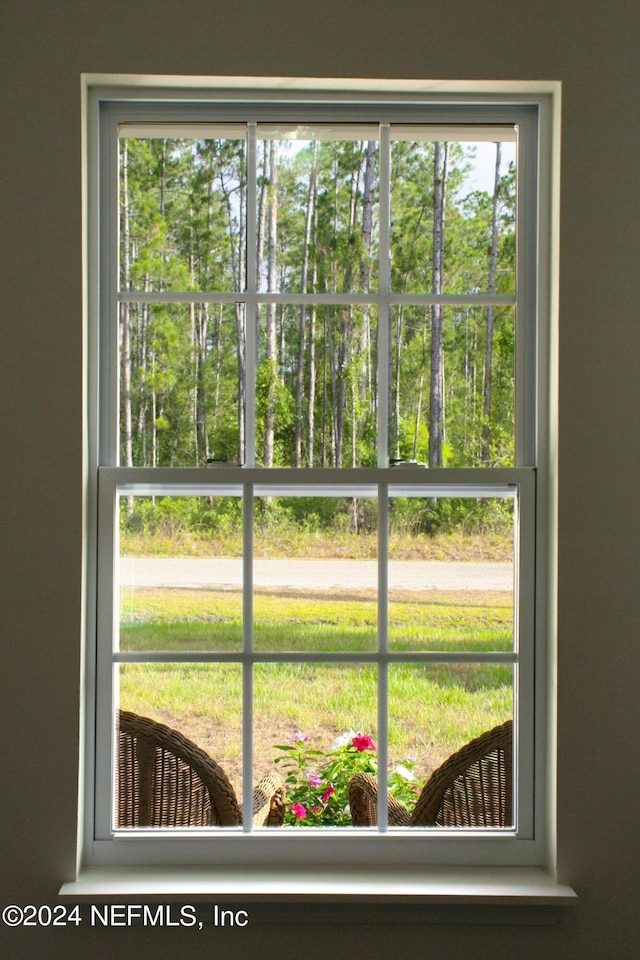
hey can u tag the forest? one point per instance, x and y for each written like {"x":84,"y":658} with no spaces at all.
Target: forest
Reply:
{"x":380,"y":269}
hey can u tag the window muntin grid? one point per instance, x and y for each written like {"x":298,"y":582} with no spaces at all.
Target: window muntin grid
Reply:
{"x":250,"y":649}
{"x":350,"y":325}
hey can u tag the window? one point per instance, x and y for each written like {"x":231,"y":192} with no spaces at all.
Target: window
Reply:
{"x":318,"y":417}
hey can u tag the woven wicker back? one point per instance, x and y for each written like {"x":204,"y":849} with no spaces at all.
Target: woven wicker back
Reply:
{"x":165,"y":780}
{"x":474,"y":787}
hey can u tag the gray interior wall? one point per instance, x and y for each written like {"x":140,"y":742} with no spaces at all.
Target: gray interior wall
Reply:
{"x":592,"y":48}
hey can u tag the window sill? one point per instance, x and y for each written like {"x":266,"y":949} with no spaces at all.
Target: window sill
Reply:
{"x":453,"y":885}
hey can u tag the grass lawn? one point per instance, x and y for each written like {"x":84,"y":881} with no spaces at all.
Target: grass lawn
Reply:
{"x":192,"y":619}
{"x":433,"y":709}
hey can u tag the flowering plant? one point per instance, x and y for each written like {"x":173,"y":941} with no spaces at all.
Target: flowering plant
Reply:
{"x":317,"y":781}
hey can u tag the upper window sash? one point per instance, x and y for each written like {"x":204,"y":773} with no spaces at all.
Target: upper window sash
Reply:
{"x":118,"y":120}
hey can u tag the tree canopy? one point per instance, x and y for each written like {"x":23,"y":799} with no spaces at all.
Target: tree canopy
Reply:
{"x":183,"y":229}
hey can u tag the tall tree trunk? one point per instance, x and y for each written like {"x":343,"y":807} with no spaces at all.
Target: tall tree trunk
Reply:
{"x":241,"y":333}
{"x":303,"y":310}
{"x":416,"y":429}
{"x":395,"y":425}
{"x":436,"y":408}
{"x":312,"y":389}
{"x":337,"y":392}
{"x":340,"y":397}
{"x":283,"y":362}
{"x":263,"y":202}
{"x":326,"y":364}
{"x":367,"y":214}
{"x":334,"y":410}
{"x":238,"y":271}
{"x":217,"y":375}
{"x":154,"y":415}
{"x":365,"y":271}
{"x":141,"y":363}
{"x":163,"y":178}
{"x":193,"y":376}
{"x":198,"y":325}
{"x":202,"y":434}
{"x":312,"y":347}
{"x":127,"y":432}
{"x":488,"y":357}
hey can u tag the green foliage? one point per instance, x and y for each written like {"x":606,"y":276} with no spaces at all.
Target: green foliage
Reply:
{"x":431,"y":516}
{"x":317,"y":782}
{"x":273,"y":395}
{"x":318,"y":526}
{"x":172,"y":516}
{"x":183,"y":206}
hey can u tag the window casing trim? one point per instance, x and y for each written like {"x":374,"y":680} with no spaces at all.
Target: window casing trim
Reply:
{"x":444,"y":849}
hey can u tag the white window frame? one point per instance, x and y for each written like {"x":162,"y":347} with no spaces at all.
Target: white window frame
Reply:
{"x":278,"y":856}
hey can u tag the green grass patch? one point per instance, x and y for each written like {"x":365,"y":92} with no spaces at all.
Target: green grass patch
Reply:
{"x":433,"y":709}
{"x":455,"y":546}
{"x":210,"y":620}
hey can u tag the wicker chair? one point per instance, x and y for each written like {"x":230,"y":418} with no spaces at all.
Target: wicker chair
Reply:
{"x":165,"y":780}
{"x":473,"y":788}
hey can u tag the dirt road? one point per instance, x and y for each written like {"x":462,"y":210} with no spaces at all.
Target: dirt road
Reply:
{"x":317,"y":574}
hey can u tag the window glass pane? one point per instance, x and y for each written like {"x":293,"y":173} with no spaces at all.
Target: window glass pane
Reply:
{"x":182,"y":214}
{"x":182,"y":384}
{"x":451,"y":574}
{"x":316,"y":390}
{"x":320,"y":721}
{"x":452,"y":218}
{"x":203,"y":702}
{"x":453,"y":385}
{"x":435,"y":710}
{"x":315,"y":574}
{"x":180,"y":573}
{"x":317,"y":211}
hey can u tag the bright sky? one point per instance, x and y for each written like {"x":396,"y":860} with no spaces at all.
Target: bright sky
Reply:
{"x":483,"y":174}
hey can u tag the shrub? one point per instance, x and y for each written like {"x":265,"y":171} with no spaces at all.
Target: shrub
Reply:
{"x":317,"y":781}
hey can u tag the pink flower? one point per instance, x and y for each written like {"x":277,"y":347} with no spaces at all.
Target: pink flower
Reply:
{"x":299,"y":810}
{"x":299,"y":737}
{"x":330,"y":789}
{"x":314,"y":780}
{"x":363,"y":742}
{"x":316,"y":809}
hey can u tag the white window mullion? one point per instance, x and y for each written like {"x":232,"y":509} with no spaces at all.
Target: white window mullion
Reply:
{"x":383,"y":648}
{"x":247,"y":667}
{"x":384,"y":319}
{"x":251,"y":316}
